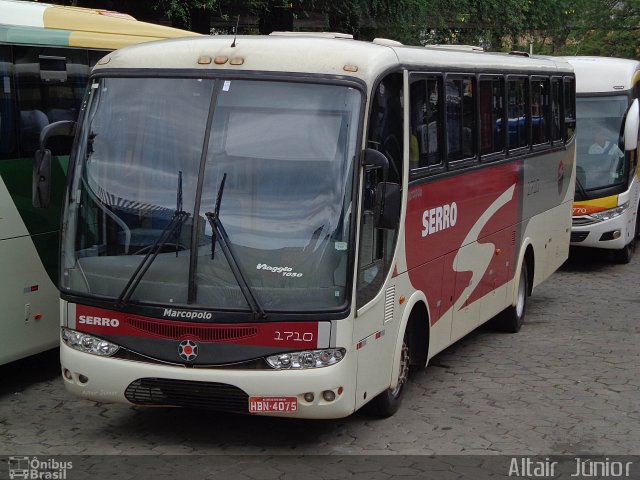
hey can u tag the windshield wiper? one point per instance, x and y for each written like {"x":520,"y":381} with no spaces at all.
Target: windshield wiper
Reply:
{"x":220,"y":234}
{"x":174,"y":225}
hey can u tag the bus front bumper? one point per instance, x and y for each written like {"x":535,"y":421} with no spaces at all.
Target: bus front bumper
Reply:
{"x":112,"y":380}
{"x":608,"y":234}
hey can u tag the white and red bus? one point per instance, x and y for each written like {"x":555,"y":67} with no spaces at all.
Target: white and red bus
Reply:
{"x":285,"y":225}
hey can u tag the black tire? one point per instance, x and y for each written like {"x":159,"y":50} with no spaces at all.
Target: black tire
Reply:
{"x":388,"y":402}
{"x":511,"y":319}
{"x":625,"y":254}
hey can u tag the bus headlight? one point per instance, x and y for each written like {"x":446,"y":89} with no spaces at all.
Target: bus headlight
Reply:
{"x":306,"y":359}
{"x":609,"y":214}
{"x":88,"y":343}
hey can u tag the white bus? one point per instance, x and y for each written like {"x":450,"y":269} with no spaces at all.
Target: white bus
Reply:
{"x":285,"y":225}
{"x":605,"y":211}
{"x":46,"y":52}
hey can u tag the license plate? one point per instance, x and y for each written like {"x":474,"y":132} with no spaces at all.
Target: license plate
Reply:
{"x":273,"y":404}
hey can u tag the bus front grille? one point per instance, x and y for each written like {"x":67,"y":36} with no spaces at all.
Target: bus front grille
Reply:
{"x":582,"y":221}
{"x":187,"y":393}
{"x":204,"y":333}
{"x":578,"y":236}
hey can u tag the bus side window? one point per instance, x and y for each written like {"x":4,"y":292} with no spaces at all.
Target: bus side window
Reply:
{"x":425,"y":124}
{"x":569,"y":108}
{"x":491,"y":116}
{"x":461,"y":118}
{"x":556,"y":102}
{"x":50,"y":85}
{"x":518,"y":113}
{"x":377,"y":245}
{"x":540,"y":111}
{"x":8,"y":124}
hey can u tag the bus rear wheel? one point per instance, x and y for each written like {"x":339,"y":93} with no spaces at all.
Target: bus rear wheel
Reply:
{"x":388,"y":402}
{"x":511,"y":319}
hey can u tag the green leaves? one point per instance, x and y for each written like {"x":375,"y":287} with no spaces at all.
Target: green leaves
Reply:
{"x":181,"y":12}
{"x":556,"y":27}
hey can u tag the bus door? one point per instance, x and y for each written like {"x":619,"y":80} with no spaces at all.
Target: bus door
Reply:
{"x":375,"y":330}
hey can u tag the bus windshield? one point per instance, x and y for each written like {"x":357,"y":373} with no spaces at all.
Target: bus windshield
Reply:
{"x":151,"y":150}
{"x":600,"y":162}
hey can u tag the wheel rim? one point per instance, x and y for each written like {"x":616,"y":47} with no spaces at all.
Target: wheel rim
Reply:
{"x":522,"y":293}
{"x":404,"y":370}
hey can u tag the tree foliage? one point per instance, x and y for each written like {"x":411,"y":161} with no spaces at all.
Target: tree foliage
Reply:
{"x":567,"y":27}
{"x":187,"y":13}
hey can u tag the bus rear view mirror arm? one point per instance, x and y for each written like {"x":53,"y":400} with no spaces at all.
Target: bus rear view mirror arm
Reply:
{"x":374,"y":158}
{"x":632,"y":126}
{"x":41,"y":182}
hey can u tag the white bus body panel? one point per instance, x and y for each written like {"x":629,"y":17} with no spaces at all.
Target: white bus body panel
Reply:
{"x":29,"y":299}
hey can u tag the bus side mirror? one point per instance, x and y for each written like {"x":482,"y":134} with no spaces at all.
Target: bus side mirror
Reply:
{"x":41,"y":180}
{"x":388,"y":205}
{"x":632,"y":127}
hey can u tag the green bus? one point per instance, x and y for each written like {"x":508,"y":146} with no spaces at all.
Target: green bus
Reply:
{"x":46,"y":53}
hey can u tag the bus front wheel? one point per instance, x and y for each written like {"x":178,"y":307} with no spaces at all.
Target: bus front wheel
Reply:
{"x":388,"y":402}
{"x":625,"y":254}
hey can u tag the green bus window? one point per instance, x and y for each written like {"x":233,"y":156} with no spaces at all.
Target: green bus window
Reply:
{"x":50,"y":84}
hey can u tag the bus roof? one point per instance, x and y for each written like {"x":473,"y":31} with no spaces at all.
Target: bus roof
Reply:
{"x":315,"y":54}
{"x":604,"y":74}
{"x":45,"y":24}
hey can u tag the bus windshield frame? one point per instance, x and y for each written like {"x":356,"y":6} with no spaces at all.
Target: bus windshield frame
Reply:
{"x":151,"y":147}
{"x":602,"y":167}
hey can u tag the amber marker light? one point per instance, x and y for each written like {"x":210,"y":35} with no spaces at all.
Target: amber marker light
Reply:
{"x":220,"y":60}
{"x":350,"y":68}
{"x":204,"y":60}
{"x":402,"y":299}
{"x":236,"y":61}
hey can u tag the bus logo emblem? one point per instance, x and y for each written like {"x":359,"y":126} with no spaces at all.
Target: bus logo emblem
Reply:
{"x":188,"y":350}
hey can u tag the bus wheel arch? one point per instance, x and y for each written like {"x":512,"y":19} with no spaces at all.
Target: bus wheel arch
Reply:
{"x":510,"y":320}
{"x":418,"y":328}
{"x":411,"y":351}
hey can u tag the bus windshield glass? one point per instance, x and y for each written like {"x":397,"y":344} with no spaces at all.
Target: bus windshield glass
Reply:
{"x":149,"y":164}
{"x":600,"y":161}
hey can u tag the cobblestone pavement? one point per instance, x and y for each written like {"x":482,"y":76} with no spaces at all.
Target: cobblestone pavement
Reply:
{"x":568,"y":383}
